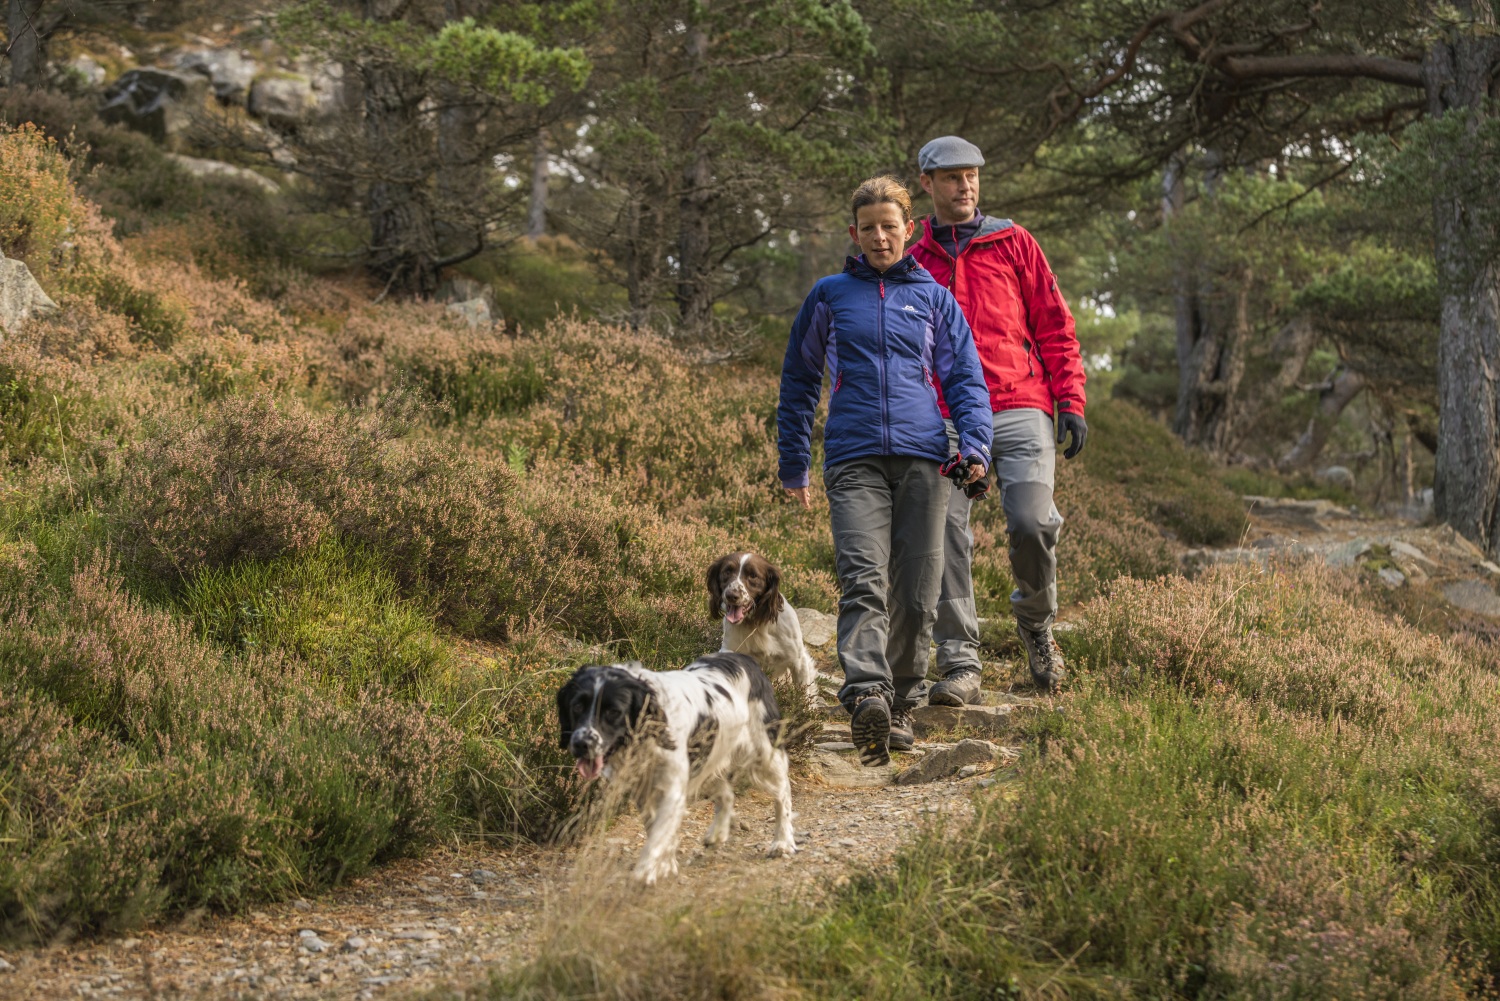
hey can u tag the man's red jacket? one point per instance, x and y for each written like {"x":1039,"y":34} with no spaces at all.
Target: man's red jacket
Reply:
{"x":1022,"y":326}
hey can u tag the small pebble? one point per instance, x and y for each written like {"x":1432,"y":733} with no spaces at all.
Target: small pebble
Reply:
{"x":129,"y":943}
{"x":417,"y":935}
{"x":967,"y":771}
{"x":301,"y":905}
{"x":848,"y":842}
{"x":354,"y":944}
{"x":4,"y":966}
{"x":482,"y":876}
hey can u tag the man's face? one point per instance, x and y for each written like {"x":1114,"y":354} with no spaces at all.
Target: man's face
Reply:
{"x":881,"y":230}
{"x":955,"y":193}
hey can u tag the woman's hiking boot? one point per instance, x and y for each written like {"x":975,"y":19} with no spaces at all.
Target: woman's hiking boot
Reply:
{"x":1044,"y":657}
{"x":902,"y":737}
{"x":870,"y":726}
{"x":959,"y":687}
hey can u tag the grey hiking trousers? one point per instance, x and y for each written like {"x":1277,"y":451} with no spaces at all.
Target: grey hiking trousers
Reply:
{"x":887,"y":514}
{"x":1025,"y":461}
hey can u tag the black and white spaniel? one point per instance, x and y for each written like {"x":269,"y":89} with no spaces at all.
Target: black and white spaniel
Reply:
{"x":745,"y":591}
{"x":680,"y":736}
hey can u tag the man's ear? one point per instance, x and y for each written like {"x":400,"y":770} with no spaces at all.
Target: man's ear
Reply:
{"x":926,"y":180}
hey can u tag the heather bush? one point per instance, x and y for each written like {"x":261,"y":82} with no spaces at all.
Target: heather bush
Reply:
{"x":149,"y":773}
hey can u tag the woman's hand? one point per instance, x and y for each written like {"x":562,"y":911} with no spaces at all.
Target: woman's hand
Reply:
{"x":803,"y":496}
{"x":976,"y":472}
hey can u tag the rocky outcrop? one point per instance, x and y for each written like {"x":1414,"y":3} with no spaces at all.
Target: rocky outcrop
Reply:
{"x":21,"y":298}
{"x":158,"y":102}
{"x":818,"y":628}
{"x":199,"y":167}
{"x":469,"y":300}
{"x":987,"y":721}
{"x":283,"y":100}
{"x":229,"y":71}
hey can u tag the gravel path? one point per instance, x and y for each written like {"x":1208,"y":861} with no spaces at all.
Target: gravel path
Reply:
{"x":446,"y":918}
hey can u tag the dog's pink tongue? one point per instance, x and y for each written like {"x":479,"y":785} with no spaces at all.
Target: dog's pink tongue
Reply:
{"x":590,"y":769}
{"x":735,"y":614}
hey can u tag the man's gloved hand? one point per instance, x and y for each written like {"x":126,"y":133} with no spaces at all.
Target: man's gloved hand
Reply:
{"x":1077,"y":426}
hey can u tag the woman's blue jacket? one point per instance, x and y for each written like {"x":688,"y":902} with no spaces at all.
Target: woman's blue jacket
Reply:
{"x":888,"y":340}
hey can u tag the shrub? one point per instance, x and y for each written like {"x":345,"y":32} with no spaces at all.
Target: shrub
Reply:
{"x":148,"y":774}
{"x":38,"y":207}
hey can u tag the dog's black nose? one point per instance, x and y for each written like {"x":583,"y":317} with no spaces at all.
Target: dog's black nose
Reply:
{"x":584,"y":744}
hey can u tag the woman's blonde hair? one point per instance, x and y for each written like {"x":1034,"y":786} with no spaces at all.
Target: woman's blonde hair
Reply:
{"x":878,"y":190}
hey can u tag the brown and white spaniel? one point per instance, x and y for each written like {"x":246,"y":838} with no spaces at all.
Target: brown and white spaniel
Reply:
{"x":745,"y":591}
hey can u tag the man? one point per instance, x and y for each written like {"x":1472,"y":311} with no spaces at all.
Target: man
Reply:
{"x":1032,"y":365}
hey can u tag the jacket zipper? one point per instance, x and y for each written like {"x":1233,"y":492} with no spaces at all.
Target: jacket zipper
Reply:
{"x":885,"y":403}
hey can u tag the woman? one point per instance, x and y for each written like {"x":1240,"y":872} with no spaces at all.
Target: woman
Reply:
{"x":892,"y":339}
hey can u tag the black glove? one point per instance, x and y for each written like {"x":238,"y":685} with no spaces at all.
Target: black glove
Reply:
{"x":1074,"y":423}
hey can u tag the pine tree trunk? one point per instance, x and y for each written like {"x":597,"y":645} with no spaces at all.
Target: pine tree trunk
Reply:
{"x":695,"y":238}
{"x":536,"y":211}
{"x":1212,"y":336}
{"x":403,"y":238}
{"x":1334,"y":397}
{"x":1460,"y":75}
{"x":27,"y":57}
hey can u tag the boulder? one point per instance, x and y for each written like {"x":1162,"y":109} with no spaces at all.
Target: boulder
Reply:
{"x":990,"y":721}
{"x":21,"y":298}
{"x":284,"y":100}
{"x":940,"y":764}
{"x":1340,"y":477}
{"x":844,"y":771}
{"x":86,"y":69}
{"x":1391,"y":577}
{"x":217,"y":168}
{"x":1406,"y":553}
{"x":818,"y":628}
{"x":230,"y":72}
{"x":461,"y":289}
{"x":474,"y":312}
{"x":158,"y":102}
{"x":1349,"y":553}
{"x":1474,"y":596}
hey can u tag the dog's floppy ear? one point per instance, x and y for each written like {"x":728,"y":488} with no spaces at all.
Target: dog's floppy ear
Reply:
{"x":565,"y":708}
{"x":768,"y":608}
{"x":647,"y":719}
{"x":716,"y":588}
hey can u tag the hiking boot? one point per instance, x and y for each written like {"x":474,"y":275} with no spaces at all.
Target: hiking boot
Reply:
{"x":870,"y":725}
{"x":1044,"y":657}
{"x":902,"y":738}
{"x":959,"y":687}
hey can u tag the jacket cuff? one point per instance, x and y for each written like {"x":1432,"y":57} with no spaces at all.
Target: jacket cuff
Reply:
{"x":1070,"y":407}
{"x":797,"y":481}
{"x":971,"y":449}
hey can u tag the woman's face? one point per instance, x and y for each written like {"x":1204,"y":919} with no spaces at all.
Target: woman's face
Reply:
{"x":881,"y":232}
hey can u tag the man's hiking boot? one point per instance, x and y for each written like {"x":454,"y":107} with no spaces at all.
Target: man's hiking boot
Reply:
{"x":1044,"y":657}
{"x":870,"y":725}
{"x":902,"y":738}
{"x":959,"y":687}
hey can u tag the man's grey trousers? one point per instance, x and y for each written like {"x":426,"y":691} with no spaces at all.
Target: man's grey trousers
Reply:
{"x":1025,"y":460}
{"x":887,"y":514}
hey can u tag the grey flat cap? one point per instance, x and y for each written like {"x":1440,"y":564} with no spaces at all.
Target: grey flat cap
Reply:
{"x":949,"y":153}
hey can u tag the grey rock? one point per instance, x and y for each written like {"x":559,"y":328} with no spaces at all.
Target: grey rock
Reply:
{"x":818,"y":628}
{"x":158,"y":102}
{"x":1391,"y":577}
{"x":86,"y":69}
{"x":461,"y":289}
{"x":229,"y":72}
{"x":1405,"y":552}
{"x":354,"y":944}
{"x":5,"y":967}
{"x":199,"y":167}
{"x":129,"y":943}
{"x":848,"y":843}
{"x":313,"y":943}
{"x":1317,"y":508}
{"x":968,"y":771}
{"x":384,"y":981}
{"x":1489,"y":568}
{"x":835,"y":745}
{"x":21,"y":298}
{"x":483,"y":876}
{"x":417,"y":935}
{"x":283,"y":100}
{"x":941,"y":764}
{"x":1474,"y":596}
{"x":846,"y":773}
{"x":989,"y":721}
{"x":301,"y":905}
{"x":1348,"y":554}
{"x":1335,"y":476}
{"x":474,"y":312}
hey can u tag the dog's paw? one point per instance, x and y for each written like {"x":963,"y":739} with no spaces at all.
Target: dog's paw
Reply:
{"x":716,"y":836}
{"x":782,"y":849}
{"x":649,"y":872}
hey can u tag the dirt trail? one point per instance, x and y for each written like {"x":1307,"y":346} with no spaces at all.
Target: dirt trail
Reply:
{"x":446,"y":918}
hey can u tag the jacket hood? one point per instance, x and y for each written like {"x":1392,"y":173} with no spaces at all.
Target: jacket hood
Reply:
{"x":905,"y":270}
{"x":990,"y":227}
